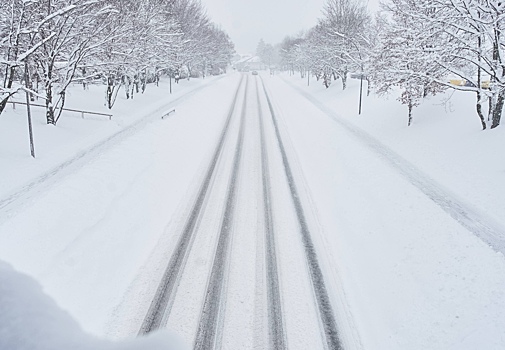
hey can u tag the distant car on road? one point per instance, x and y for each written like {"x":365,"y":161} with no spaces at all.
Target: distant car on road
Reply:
{"x":254,"y":72}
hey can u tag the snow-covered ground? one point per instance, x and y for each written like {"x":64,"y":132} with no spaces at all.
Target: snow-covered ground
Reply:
{"x":32,"y":320}
{"x":403,"y":271}
{"x":65,"y":233}
{"x":410,"y":275}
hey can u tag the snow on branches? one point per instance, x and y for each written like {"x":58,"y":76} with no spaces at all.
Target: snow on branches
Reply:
{"x":121,"y":42}
{"x":420,"y":47}
{"x":426,"y":42}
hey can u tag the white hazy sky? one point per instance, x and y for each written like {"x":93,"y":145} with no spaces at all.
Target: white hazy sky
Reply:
{"x":247,"y":21}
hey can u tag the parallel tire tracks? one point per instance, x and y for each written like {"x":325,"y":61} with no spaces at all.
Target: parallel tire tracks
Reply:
{"x":209,"y":321}
{"x":160,"y":306}
{"x":210,"y":325}
{"x":323,"y":301}
{"x":277,"y":337}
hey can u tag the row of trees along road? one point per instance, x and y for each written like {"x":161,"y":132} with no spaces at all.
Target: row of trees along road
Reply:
{"x":412,"y":45}
{"x":48,"y":44}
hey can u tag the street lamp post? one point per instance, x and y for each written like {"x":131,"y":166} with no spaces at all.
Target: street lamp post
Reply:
{"x":360,"y":88}
{"x":361,"y":75}
{"x":28,"y":111}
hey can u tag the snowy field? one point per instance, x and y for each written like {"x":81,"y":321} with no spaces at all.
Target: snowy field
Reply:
{"x":408,"y":222}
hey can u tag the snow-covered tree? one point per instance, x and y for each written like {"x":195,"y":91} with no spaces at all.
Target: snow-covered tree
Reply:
{"x":425,"y":41}
{"x":127,"y":42}
{"x":339,"y":43}
{"x":69,"y":32}
{"x":220,"y":51}
{"x":476,"y":27}
{"x":202,"y":45}
{"x":17,"y":44}
{"x":267,"y":53}
{"x":405,"y":57}
{"x":288,"y":52}
{"x":343,"y":29}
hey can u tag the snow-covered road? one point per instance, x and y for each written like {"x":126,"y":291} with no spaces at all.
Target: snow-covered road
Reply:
{"x":251,"y":220}
{"x":242,"y":268}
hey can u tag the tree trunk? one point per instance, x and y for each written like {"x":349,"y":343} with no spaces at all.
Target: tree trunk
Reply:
{"x":109,"y":92}
{"x":498,"y":108}
{"x":108,"y":96}
{"x":127,"y":83}
{"x":425,"y":91}
{"x":60,"y":108}
{"x":50,"y":113}
{"x":8,"y":85}
{"x":3,"y":103}
{"x":479,"y":86}
{"x":479,"y":109}
{"x":344,"y":78}
{"x":410,"y":113}
{"x":326,"y":81}
{"x":112,"y":91}
{"x":490,"y":107}
{"x":49,"y":104}
{"x":136,"y":83}
{"x":37,"y":85}
{"x":143,"y":82}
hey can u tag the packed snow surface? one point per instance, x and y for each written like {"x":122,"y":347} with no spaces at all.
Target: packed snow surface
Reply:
{"x":86,"y":228}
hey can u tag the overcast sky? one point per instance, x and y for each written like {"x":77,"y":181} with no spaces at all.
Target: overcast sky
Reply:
{"x":247,"y":21}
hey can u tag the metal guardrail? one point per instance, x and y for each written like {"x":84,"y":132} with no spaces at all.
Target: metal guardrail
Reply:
{"x":166,"y":114}
{"x":65,"y":109}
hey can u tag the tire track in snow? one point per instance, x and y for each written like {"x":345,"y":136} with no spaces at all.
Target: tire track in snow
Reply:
{"x":163,"y":299}
{"x":54,"y":175}
{"x":490,"y":232}
{"x":211,"y":320}
{"x":277,"y":337}
{"x":326,"y":314}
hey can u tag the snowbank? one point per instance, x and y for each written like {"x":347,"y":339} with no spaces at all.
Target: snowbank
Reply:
{"x":445,"y":141}
{"x":29,"y":319}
